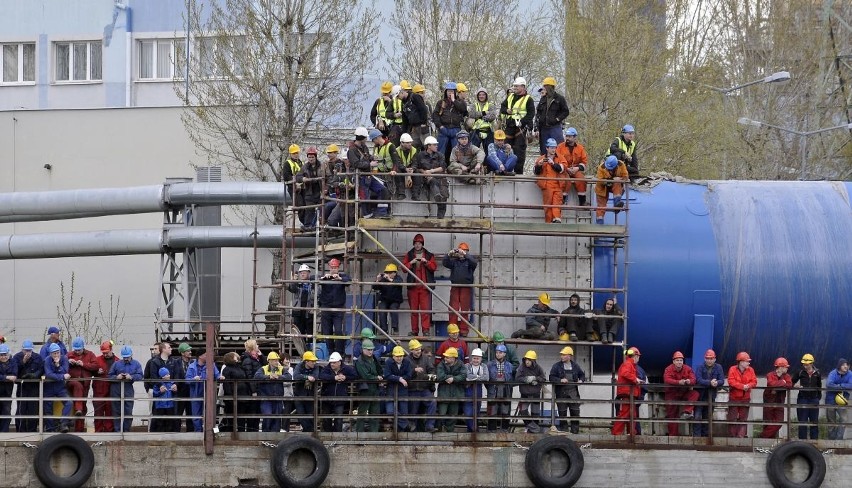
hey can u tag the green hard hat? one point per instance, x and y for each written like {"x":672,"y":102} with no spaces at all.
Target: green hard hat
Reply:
{"x":367,"y":333}
{"x":367,"y":344}
{"x":183,"y":347}
{"x":498,"y":337}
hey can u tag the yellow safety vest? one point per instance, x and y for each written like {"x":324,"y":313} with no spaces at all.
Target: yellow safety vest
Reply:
{"x":624,"y":147}
{"x":397,"y":107}
{"x":481,"y":124}
{"x":406,"y":159}
{"x":278,"y":371}
{"x":518,"y":107}
{"x":385,"y":160}
{"x":295,"y":166}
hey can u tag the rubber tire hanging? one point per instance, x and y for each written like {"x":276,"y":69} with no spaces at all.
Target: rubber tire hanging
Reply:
{"x":535,"y":466}
{"x":286,"y":448}
{"x":776,"y":461}
{"x":85,"y":461}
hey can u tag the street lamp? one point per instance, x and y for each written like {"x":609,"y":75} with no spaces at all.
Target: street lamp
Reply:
{"x":803,"y":134}
{"x":777,"y":77}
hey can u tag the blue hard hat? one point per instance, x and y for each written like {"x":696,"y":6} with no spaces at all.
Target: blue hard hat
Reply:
{"x":28,"y":345}
{"x":550,"y":142}
{"x":53,"y":330}
{"x":164,"y":372}
{"x":628,"y":128}
{"x":450,"y":85}
{"x":570,"y":131}
{"x":4,"y":349}
{"x":501,"y":348}
{"x":53,"y":348}
{"x":611,"y":162}
{"x":374,"y":133}
{"x":78,"y":343}
{"x":126,"y":352}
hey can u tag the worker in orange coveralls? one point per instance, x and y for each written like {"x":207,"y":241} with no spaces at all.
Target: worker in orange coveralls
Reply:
{"x":741,"y":380}
{"x":777,"y":384}
{"x":549,"y":168}
{"x":627,"y":386}
{"x":679,"y":379}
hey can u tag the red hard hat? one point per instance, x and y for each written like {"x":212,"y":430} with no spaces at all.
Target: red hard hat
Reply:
{"x":419,"y":238}
{"x":464,"y":246}
{"x":781,"y":363}
{"x":743,"y":356}
{"x":677,"y":355}
{"x":334,"y":262}
{"x":312,"y":150}
{"x":106,"y":346}
{"x":710,"y":354}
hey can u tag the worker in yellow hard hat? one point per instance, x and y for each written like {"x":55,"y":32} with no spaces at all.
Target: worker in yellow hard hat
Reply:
{"x":305,"y":377}
{"x":421,"y":387}
{"x":292,"y":167}
{"x":381,"y":114}
{"x":566,"y":374}
{"x":537,"y":320}
{"x":398,"y":372}
{"x":451,"y":375}
{"x":277,"y":377}
{"x":551,"y":114}
{"x":416,"y":116}
{"x":839,"y":384}
{"x":388,"y":288}
{"x":809,"y":382}
{"x":532,"y":379}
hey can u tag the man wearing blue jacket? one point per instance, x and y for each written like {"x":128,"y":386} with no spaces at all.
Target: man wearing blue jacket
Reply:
{"x":566,"y":375}
{"x":398,"y":372}
{"x":272,"y":392}
{"x":839,"y":385}
{"x":197,"y":371}
{"x":462,"y":265}
{"x":305,"y":376}
{"x":124,"y":373}
{"x":335,"y":377}
{"x":55,"y":375}
{"x":30,"y":367}
{"x":332,"y":295}
{"x":53,"y":338}
{"x":709,"y":377}
{"x":8,"y":375}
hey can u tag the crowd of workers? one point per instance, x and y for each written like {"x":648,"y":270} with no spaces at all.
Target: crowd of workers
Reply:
{"x":417,"y":147}
{"x":263,"y":391}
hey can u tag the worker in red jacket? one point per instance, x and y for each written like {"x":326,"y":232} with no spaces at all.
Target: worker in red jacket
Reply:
{"x":742,"y":380}
{"x":627,"y":388}
{"x":101,"y":399}
{"x":777,"y":384}
{"x":82,"y":366}
{"x":679,"y":379}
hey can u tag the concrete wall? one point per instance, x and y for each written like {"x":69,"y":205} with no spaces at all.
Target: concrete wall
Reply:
{"x":155,"y":464}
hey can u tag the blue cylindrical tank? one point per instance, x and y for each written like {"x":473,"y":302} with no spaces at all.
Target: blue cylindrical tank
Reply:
{"x":756,"y":266}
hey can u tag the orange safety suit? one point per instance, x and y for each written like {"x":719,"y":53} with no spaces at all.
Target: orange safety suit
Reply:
{"x":737,"y":380}
{"x":627,"y":386}
{"x":551,"y":189}
{"x":603,"y":188}
{"x":575,"y":157}
{"x":679,"y":393}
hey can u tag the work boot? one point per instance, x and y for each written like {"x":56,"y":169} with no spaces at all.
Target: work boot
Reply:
{"x":573,"y":337}
{"x":599,"y":221}
{"x":605,"y":338}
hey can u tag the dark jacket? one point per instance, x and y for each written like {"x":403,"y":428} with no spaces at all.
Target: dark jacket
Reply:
{"x":332,"y":387}
{"x":359,"y":157}
{"x":312,"y":177}
{"x":539,"y":317}
{"x":389,"y":293}
{"x":414,"y":111}
{"x":703,"y":377}
{"x":31,"y":370}
{"x":527,"y":376}
{"x":9,"y":368}
{"x":461,"y":268}
{"x":459,"y":374}
{"x":178,"y":369}
{"x":425,"y":160}
{"x":302,"y":387}
{"x":552,"y":110}
{"x":250,"y":366}
{"x":133,"y":368}
{"x":368,"y":369}
{"x":449,"y":114}
{"x":806,"y":380}
{"x":611,"y":320}
{"x":394,"y":372}
{"x":272,"y":387}
{"x":575,"y":375}
{"x":573,"y":324}
{"x":500,"y":391}
{"x":54,"y":376}
{"x":235,"y":379}
{"x":332,"y":293}
{"x":151,"y":374}
{"x":303,"y":293}
{"x":420,"y":381}
{"x":615,"y":150}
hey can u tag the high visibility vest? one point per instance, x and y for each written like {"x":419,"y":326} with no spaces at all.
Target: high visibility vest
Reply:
{"x":481,"y":124}
{"x":279,"y":370}
{"x":406,"y":159}
{"x":397,"y":107}
{"x":295,"y":166}
{"x":518,"y":107}
{"x":385,"y":160}
{"x":628,"y":149}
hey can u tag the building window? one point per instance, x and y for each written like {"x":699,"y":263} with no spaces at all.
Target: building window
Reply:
{"x":79,"y":61}
{"x":219,"y":57}
{"x":159,"y":57}
{"x":18,"y":63}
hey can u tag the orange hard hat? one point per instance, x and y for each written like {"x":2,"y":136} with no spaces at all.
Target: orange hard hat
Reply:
{"x":782,"y":363}
{"x":677,"y":355}
{"x":743,"y":356}
{"x":464,"y":246}
{"x":334,"y":262}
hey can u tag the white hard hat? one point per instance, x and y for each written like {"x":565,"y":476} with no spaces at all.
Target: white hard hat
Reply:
{"x":304,"y":267}
{"x":476,"y":352}
{"x":361,"y":131}
{"x":406,"y":138}
{"x":335,"y":356}
{"x":430,"y":140}
{"x":520,"y":81}
{"x":395,"y":90}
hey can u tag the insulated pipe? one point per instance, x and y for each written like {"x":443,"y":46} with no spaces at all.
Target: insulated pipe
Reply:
{"x":153,"y":241}
{"x":71,"y":204}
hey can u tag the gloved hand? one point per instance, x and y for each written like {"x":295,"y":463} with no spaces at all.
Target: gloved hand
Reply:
{"x":529,"y":379}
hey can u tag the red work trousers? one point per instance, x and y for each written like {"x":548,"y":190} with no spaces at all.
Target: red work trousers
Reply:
{"x":420,"y":302}
{"x":602,"y":197}
{"x":772,"y":414}
{"x":624,"y":413}
{"x":103,"y":408}
{"x":674,"y":411}
{"x":552,"y":200}
{"x":736,"y":413}
{"x":460,"y":297}
{"x":78,"y":389}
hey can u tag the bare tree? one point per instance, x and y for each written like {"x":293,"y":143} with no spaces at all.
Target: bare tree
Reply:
{"x":266,"y":73}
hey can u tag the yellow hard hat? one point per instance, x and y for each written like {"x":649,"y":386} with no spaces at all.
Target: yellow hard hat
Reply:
{"x":398,"y":351}
{"x":332,"y":148}
{"x":405,"y":85}
{"x":564,"y":336}
{"x":294,"y":149}
{"x":309,"y":356}
{"x":272,"y":355}
{"x":418,"y":88}
{"x":531,"y":355}
{"x":567,"y":350}
{"x":452,"y":329}
{"x":461,"y":87}
{"x":808,"y":359}
{"x":451,"y":352}
{"x":499,"y":135}
{"x":840,"y":400}
{"x":549,"y":81}
{"x":544,"y":298}
{"x":386,"y":87}
{"x":414,"y":344}
{"x":390,"y":268}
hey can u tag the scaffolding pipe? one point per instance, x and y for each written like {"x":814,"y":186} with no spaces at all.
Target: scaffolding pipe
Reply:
{"x":151,"y":241}
{"x":97,"y":202}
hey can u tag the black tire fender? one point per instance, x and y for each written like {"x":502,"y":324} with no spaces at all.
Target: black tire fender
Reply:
{"x":536,"y":468}
{"x":85,"y":461}
{"x":776,"y":461}
{"x":286,"y":448}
